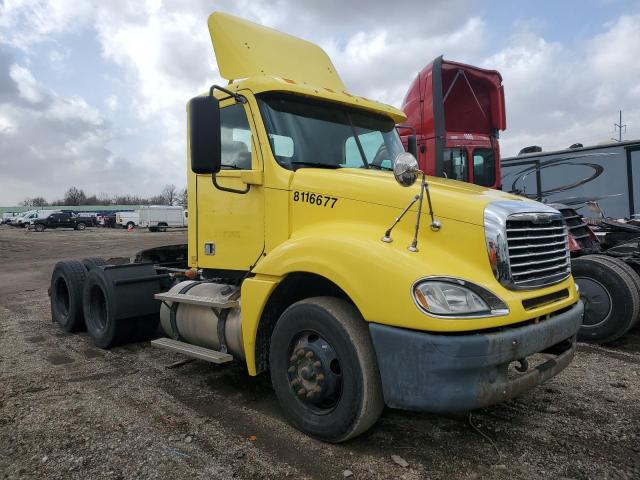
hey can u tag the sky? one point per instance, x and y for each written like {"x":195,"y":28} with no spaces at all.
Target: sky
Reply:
{"x":93,"y":94}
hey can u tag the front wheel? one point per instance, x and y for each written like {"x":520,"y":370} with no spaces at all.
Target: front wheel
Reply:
{"x":324,"y":369}
{"x":39,"y":227}
{"x":80,"y":226}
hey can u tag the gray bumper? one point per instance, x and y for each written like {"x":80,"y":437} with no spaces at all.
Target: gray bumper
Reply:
{"x":445,"y":373}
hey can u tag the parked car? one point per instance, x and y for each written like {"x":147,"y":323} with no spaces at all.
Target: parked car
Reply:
{"x":8,"y":216}
{"x":58,"y":220}
{"x":90,"y":218}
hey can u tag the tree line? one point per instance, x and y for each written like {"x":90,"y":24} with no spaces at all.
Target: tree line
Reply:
{"x":74,"y":196}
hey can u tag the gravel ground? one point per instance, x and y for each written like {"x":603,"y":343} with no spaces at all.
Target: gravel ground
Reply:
{"x":70,"y":410}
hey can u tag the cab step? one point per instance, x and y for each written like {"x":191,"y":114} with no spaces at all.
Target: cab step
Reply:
{"x":192,"y":351}
{"x":213,"y":302}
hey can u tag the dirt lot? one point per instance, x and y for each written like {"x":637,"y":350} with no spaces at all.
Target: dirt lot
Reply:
{"x":70,"y":410}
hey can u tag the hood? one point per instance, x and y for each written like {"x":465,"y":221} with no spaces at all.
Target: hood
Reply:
{"x":450,"y":198}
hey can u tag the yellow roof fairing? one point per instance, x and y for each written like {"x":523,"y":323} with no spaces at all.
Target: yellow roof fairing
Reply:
{"x":245,"y":49}
{"x":267,"y":60}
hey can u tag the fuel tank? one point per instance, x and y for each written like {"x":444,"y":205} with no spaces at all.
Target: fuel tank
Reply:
{"x":198,"y":324}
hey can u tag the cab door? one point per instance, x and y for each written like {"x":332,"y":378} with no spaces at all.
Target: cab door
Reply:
{"x":229,"y":224}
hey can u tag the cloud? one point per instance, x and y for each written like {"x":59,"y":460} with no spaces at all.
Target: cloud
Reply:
{"x":129,"y":135}
{"x":49,"y":142}
{"x":556,"y":97}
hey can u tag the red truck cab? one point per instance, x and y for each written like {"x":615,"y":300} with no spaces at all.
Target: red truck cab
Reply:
{"x":457,"y":111}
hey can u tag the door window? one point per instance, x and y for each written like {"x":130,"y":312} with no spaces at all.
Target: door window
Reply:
{"x":454,"y":164}
{"x":484,"y":167}
{"x":235,"y":138}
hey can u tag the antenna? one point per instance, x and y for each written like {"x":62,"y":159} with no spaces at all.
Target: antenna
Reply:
{"x":619,"y":127}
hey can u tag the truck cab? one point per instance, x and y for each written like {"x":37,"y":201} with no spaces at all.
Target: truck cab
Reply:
{"x":354,"y":286}
{"x":457,"y":112}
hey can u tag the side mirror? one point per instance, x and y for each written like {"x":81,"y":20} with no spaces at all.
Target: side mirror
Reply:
{"x":412,"y":145}
{"x":405,"y":169}
{"x":204,"y":134}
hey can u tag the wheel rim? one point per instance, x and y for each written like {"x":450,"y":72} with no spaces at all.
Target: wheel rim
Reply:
{"x":314,"y":373}
{"x":597,"y":302}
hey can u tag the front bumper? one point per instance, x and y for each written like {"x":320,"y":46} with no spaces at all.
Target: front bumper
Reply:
{"x":445,"y":373}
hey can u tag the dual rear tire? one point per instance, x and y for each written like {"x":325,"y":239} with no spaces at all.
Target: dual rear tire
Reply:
{"x":82,"y":299}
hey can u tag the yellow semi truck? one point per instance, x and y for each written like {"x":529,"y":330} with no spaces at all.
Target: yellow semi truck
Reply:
{"x":320,"y":254}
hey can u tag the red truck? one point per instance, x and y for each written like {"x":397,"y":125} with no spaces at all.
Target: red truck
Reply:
{"x":456,"y":112}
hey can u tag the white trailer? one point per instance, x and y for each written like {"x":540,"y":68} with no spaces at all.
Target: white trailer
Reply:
{"x":160,"y":217}
{"x":126,"y":219}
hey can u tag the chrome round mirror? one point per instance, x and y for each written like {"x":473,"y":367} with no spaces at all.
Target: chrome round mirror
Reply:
{"x":405,"y":169}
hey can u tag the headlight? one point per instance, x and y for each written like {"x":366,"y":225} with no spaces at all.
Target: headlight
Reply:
{"x":453,"y":297}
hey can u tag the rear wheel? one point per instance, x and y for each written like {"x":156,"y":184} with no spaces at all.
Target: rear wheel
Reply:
{"x":630,"y":272}
{"x":324,"y":369}
{"x":67,"y":283}
{"x":91,"y":262}
{"x":130,"y":225}
{"x":99,"y":311}
{"x":610,"y":295}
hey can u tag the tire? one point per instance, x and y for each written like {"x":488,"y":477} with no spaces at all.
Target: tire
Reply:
{"x":80,"y":226}
{"x":611,"y":297}
{"x":347,"y":400}
{"x":631,"y":272}
{"x":130,"y":225}
{"x":67,"y":282}
{"x":99,"y":312}
{"x":39,"y":227}
{"x":91,"y":262}
{"x":153,"y":229}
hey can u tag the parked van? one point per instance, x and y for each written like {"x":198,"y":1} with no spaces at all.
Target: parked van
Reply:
{"x":8,"y":216}
{"x":128,"y":219}
{"x":27,"y":217}
{"x":159,"y":217}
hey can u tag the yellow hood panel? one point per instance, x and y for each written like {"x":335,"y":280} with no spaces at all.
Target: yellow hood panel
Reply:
{"x":245,"y":49}
{"x":451,"y":199}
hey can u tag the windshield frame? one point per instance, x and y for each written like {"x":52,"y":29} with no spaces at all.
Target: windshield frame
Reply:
{"x":334,"y":108}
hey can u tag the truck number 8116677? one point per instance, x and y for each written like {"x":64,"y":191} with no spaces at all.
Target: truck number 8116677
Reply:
{"x":315,"y":199}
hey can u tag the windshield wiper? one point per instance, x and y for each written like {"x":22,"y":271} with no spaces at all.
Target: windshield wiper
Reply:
{"x":316,"y":165}
{"x":231,"y":167}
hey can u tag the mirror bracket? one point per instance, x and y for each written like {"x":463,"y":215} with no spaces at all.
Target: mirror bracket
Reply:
{"x":236,"y":96}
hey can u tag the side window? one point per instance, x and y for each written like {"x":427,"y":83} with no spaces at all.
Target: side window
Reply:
{"x":454,"y":163}
{"x":484,"y":167}
{"x":235,"y":138}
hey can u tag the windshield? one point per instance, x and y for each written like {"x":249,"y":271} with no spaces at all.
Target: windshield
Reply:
{"x":309,"y":133}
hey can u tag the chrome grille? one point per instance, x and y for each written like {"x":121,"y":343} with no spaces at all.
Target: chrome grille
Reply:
{"x":538,"y":249}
